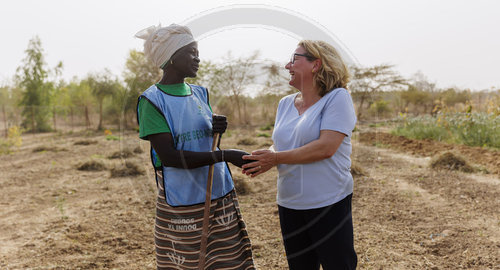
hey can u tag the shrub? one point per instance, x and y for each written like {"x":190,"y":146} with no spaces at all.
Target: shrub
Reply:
{"x":127,"y":169}
{"x":125,"y":153}
{"x":473,"y":129}
{"x":92,"y":165}
{"x":247,"y":141}
{"x":85,"y":142}
{"x":266,"y":127}
{"x":112,"y":138}
{"x":449,"y":161}
{"x":44,"y":148}
{"x":380,"y":108}
{"x":13,"y":140}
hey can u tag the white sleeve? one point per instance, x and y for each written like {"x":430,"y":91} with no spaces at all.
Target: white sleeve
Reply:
{"x":338,"y":113}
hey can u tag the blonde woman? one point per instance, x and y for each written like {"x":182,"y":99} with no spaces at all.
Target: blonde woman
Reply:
{"x":312,"y":148}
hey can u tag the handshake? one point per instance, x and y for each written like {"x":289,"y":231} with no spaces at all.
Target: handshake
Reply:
{"x":260,"y":161}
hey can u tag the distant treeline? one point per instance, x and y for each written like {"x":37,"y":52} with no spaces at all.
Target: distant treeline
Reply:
{"x":245,"y":89}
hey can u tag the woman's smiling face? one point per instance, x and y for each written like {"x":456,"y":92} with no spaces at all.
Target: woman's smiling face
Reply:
{"x":300,"y":68}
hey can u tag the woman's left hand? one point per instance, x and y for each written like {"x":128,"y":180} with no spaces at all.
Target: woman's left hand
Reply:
{"x":265,"y":159}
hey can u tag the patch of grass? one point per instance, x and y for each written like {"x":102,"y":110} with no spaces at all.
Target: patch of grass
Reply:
{"x":266,"y":127}
{"x":85,"y":142}
{"x":247,"y":141}
{"x":450,"y":161}
{"x":127,"y":169}
{"x":125,"y":153}
{"x":381,"y":145}
{"x":265,"y":135}
{"x":92,"y":165}
{"x":112,"y":138}
{"x":380,"y":124}
{"x":60,"y":205}
{"x":422,"y":128}
{"x":472,"y":129}
{"x":13,"y":140}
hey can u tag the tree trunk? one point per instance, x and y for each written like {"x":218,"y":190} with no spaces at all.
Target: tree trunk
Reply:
{"x":5,"y":121}
{"x":87,"y":118}
{"x":360,"y":106}
{"x":99,"y":126}
{"x":237,"y":99}
{"x":54,"y":117}
{"x":71,"y":116}
{"x":33,"y":119}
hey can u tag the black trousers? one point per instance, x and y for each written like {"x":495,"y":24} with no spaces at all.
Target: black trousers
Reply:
{"x":319,"y":236}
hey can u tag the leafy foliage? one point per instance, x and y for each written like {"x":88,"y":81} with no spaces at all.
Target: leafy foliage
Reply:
{"x":33,"y":78}
{"x":473,"y":129}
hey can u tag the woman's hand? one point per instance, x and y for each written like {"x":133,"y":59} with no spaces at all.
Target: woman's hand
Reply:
{"x":261,"y":161}
{"x":219,"y":124}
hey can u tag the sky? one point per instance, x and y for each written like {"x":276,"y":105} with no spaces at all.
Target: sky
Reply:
{"x":454,"y":43}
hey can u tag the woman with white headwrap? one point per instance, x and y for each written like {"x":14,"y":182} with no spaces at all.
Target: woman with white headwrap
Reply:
{"x":177,"y":119}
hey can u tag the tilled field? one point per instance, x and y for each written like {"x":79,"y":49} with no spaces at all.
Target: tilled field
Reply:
{"x":406,"y":215}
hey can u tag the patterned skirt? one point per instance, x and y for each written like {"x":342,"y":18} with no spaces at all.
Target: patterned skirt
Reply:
{"x":178,"y":235}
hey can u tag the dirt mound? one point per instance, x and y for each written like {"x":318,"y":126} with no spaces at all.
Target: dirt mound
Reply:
{"x":449,"y":161}
{"x":92,"y":165}
{"x":241,"y":186}
{"x":247,"y":141}
{"x":357,"y":170}
{"x":44,"y":148}
{"x":128,"y":169}
{"x":85,"y":142}
{"x":124,"y":153}
{"x":487,"y":159}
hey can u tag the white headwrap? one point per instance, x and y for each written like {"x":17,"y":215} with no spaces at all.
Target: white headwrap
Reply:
{"x":162,"y":42}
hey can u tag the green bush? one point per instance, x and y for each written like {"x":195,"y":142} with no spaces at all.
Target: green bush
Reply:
{"x":473,"y":129}
{"x":380,"y":108}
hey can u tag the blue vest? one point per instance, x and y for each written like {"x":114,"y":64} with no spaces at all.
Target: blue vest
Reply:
{"x":190,"y":121}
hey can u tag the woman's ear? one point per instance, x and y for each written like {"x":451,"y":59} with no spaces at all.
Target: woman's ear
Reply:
{"x":317,"y":64}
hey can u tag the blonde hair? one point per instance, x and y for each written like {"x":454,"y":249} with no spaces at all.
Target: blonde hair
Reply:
{"x":333,"y":72}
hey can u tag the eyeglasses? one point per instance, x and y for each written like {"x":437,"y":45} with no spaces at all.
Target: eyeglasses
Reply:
{"x":292,"y":59}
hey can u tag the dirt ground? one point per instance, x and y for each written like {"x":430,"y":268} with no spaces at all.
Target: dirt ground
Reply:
{"x":406,"y":215}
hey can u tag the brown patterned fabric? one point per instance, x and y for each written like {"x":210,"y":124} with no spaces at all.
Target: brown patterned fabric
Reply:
{"x":178,"y":235}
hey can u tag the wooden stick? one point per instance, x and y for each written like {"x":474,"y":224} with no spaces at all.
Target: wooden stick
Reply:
{"x":206,"y":213}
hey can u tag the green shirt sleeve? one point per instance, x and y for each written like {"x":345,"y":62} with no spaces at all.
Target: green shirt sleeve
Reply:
{"x":151,"y":121}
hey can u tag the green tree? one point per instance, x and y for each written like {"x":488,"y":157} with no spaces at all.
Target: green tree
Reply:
{"x":33,"y":78}
{"x":103,"y":85}
{"x":275,"y":87}
{"x":210,"y":75}
{"x":369,"y":81}
{"x":81,"y":97}
{"x":139,"y":74}
{"x":117,"y":105}
{"x":417,"y":97}
{"x":238,"y":73}
{"x":5,"y":100}
{"x":452,"y":96}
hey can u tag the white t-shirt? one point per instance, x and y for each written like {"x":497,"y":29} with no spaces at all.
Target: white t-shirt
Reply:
{"x":324,"y":182}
